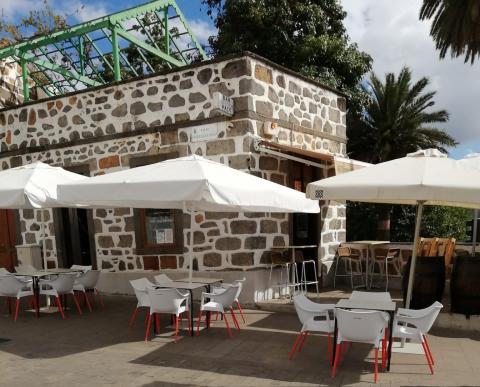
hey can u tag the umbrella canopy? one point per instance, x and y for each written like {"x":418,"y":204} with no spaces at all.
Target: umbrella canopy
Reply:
{"x":425,"y":177}
{"x":33,"y":186}
{"x":191,"y":182}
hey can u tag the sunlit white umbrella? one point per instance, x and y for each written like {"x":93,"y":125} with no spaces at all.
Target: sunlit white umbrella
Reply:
{"x":190,"y":183}
{"x":34,"y":186}
{"x":426,"y":177}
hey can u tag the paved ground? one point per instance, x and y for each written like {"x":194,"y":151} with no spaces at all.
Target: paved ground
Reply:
{"x":97,"y":349}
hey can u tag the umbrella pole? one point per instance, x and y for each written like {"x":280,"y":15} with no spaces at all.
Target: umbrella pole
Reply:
{"x":44,"y":241}
{"x":413,"y":262}
{"x":190,"y":248}
{"x":474,"y":237}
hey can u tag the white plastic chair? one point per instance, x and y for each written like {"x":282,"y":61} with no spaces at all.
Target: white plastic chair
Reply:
{"x":414,"y":324}
{"x":377,"y":296}
{"x":86,"y":282}
{"x":59,"y":285}
{"x":12,"y":287}
{"x":219,"y":289}
{"x":308,"y":313}
{"x":167,"y":301}
{"x":140,"y":287}
{"x":219,"y":302}
{"x":359,"y":327}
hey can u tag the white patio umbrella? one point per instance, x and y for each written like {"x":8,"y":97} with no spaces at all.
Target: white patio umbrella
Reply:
{"x":34,"y":186}
{"x":425,"y":177}
{"x":190,"y":183}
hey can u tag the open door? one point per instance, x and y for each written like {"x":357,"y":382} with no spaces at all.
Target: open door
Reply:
{"x":74,"y":231}
{"x":8,"y":252}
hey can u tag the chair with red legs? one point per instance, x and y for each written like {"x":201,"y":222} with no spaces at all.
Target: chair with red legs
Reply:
{"x":219,"y":303}
{"x":382,"y":297}
{"x":140,"y":288}
{"x":356,"y":326}
{"x":12,"y":287}
{"x":167,"y":301}
{"x":219,"y":289}
{"x":59,"y":285}
{"x":86,"y":282}
{"x":414,"y":324}
{"x":314,"y":318}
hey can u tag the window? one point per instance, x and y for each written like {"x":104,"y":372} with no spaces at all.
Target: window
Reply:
{"x":157,"y":231}
{"x":159,"y":226}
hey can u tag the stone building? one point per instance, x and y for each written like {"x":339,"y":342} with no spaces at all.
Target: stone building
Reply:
{"x":285,"y":128}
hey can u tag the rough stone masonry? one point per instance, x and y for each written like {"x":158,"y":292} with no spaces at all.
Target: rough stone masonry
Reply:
{"x":107,"y":128}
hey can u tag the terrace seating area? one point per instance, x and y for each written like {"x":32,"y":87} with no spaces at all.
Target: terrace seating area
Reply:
{"x":99,"y":346}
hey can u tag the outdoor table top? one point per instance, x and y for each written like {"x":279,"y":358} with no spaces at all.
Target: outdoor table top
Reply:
{"x":371,"y":243}
{"x":295,"y":247}
{"x":387,"y":306}
{"x":43,"y":273}
{"x":200,"y":280}
{"x":180,"y":285}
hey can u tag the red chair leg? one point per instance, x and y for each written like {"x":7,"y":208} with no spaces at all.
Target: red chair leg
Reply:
{"x":147,"y":331}
{"x":189,"y":325}
{"x":237,"y":325}
{"x":297,"y":340}
{"x":199,"y":322}
{"x":428,"y":357}
{"x":132,"y":319}
{"x":305,"y":334}
{"x":329,"y":347}
{"x":59,"y":304}
{"x":216,"y":316}
{"x":428,"y":349}
{"x":77,"y":304}
{"x":176,"y":327}
{"x":337,"y":358}
{"x":384,"y":352}
{"x":100,"y":299}
{"x":241,"y":311}
{"x":376,"y":365}
{"x":157,"y":323}
{"x":87,"y":301}
{"x":228,"y":325}
{"x":17,"y":306}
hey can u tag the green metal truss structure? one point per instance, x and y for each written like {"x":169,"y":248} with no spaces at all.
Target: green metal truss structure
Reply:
{"x":156,"y":35}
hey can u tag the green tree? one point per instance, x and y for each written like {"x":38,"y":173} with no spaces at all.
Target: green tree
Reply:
{"x":306,"y":36}
{"x":455,"y":26}
{"x":397,"y":120}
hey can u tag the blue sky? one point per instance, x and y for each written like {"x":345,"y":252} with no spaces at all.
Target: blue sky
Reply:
{"x":388,"y":30}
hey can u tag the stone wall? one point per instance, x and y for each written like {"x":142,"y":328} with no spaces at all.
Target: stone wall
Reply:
{"x":106,"y":127}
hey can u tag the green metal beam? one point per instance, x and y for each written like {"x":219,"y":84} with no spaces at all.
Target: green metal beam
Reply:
{"x":26,"y":90}
{"x":48,"y":65}
{"x":133,"y":39}
{"x":115,"y":55}
{"x":187,"y":27}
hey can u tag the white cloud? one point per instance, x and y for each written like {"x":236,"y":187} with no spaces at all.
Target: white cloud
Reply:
{"x":202,"y":30}
{"x":392,"y":34}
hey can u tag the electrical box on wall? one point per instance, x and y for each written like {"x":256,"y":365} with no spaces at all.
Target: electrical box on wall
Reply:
{"x":270,"y":129}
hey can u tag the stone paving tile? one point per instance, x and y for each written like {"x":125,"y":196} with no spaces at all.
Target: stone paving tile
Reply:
{"x":98,"y":349}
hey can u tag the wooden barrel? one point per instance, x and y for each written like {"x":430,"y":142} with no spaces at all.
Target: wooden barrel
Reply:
{"x":429,"y":282}
{"x":465,"y":285}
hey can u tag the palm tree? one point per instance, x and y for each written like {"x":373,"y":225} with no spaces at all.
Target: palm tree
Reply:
{"x":455,"y":26}
{"x":396,"y":121}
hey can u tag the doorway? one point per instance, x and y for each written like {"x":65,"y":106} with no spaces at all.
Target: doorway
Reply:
{"x":74,"y":231}
{"x":8,"y":252}
{"x":305,"y":227}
